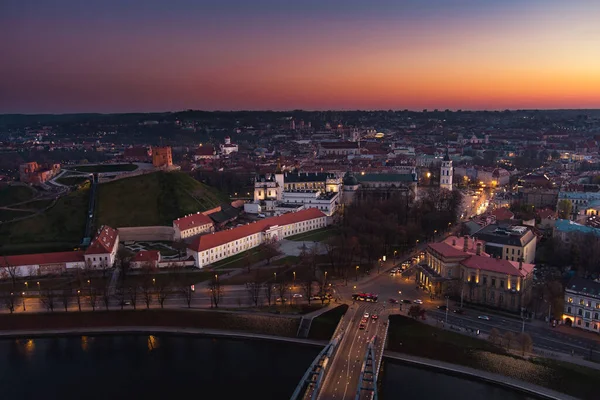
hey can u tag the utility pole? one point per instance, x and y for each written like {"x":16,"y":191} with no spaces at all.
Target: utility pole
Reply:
{"x":462,"y":291}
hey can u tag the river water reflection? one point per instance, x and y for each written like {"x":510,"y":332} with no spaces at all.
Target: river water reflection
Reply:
{"x":176,"y":367}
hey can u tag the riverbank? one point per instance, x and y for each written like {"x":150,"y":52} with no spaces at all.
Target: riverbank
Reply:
{"x":477,"y":375}
{"x":416,"y":339}
{"x":270,"y":325}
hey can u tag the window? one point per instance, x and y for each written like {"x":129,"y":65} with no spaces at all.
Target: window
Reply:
{"x":513,"y":251}
{"x":596,"y":315}
{"x":578,"y":322}
{"x":581,"y":302}
{"x":568,"y":310}
{"x":587,"y":314}
{"x":589,"y":303}
{"x":570,"y":300}
{"x":493,"y":282}
{"x":484,"y":280}
{"x":501,"y":284}
{"x":579,"y":312}
{"x":587,"y":324}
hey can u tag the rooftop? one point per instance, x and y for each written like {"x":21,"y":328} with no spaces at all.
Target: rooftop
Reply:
{"x":104,"y":242}
{"x":192,"y":221}
{"x":497,"y":265}
{"x":581,"y":285}
{"x":42,"y":258}
{"x":505,"y":234}
{"x":386,"y":177}
{"x":219,"y":238}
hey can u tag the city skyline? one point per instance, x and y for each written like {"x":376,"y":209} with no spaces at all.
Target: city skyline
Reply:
{"x":116,"y":56}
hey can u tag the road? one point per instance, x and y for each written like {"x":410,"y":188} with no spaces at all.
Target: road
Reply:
{"x":544,"y":337}
{"x":342,"y":378}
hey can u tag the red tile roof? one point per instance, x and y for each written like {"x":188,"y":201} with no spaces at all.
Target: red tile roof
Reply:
{"x":218,"y":238}
{"x":192,"y":221}
{"x":42,"y":258}
{"x":146,"y":256}
{"x":502,"y":214}
{"x":205,"y":151}
{"x":497,"y":265}
{"x":104,"y":242}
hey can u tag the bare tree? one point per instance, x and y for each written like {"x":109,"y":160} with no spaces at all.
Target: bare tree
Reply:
{"x":281,"y":288}
{"x":12,"y":271}
{"x":48,"y":299}
{"x":148,"y":284}
{"x":65,"y":297}
{"x":162,"y":293}
{"x":525,"y":342}
{"x":248,"y":259}
{"x":307,"y":287}
{"x":9,"y":301}
{"x":104,"y":267}
{"x":254,"y":288}
{"x":106,"y":295}
{"x":268,"y":291}
{"x":93,"y":297}
{"x":216,"y":291}
{"x":133,"y":293}
{"x":269,"y":249}
{"x":187,"y":293}
{"x":509,"y":337}
{"x":494,"y":336}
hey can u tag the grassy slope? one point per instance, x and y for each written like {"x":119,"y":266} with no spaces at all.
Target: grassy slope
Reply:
{"x":15,"y":194}
{"x":412,"y":337}
{"x":324,"y":325}
{"x":153,"y":199}
{"x":61,"y":227}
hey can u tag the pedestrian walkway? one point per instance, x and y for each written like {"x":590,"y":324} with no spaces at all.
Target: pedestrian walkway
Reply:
{"x":479,"y":375}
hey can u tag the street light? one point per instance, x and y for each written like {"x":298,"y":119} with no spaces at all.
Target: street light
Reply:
{"x":356,"y":270}
{"x":294,"y":272}
{"x":79,"y":299}
{"x":23,"y":297}
{"x":153,"y":281}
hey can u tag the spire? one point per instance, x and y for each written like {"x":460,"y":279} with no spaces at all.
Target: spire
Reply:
{"x":447,"y":156}
{"x":278,"y":170}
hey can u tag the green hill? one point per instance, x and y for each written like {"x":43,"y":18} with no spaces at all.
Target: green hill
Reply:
{"x":153,"y":199}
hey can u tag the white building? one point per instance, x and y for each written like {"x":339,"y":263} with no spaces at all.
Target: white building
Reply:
{"x":446,"y":173}
{"x":103,"y":249}
{"x":192,"y":225}
{"x":27,"y":265}
{"x":326,"y":202}
{"x":228,"y":147}
{"x":313,"y":189}
{"x":582,"y":304}
{"x":207,"y":249}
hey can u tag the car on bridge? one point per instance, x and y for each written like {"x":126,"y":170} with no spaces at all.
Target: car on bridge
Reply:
{"x":374,"y":317}
{"x":392,"y":301}
{"x":484,"y":317}
{"x":459,"y":311}
{"x":366,"y":315}
{"x":418,"y":301}
{"x":442,"y":308}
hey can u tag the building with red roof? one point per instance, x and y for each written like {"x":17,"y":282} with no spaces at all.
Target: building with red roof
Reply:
{"x":145,"y":258}
{"x":103,"y":248}
{"x":41,"y":264}
{"x":192,"y":225}
{"x":461,"y":268}
{"x":216,"y":246}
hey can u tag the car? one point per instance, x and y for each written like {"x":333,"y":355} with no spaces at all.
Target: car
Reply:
{"x":364,"y":321}
{"x":459,"y":311}
{"x":361,"y":326}
{"x":418,"y":301}
{"x":394,"y":270}
{"x":484,"y":317}
{"x":262,"y":216}
{"x":280,"y":300}
{"x":124,"y":303}
{"x":392,"y":274}
{"x":315,"y":297}
{"x":442,"y":308}
{"x":297,"y":296}
{"x":366,"y":315}
{"x":392,"y":301}
{"x":406,"y":301}
{"x":374,"y":316}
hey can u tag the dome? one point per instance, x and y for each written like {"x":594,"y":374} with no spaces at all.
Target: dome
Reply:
{"x":349,"y":179}
{"x":379,"y":135}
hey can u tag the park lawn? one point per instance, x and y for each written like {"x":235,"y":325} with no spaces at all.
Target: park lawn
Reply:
{"x":239,"y":260}
{"x":72,"y":180}
{"x":101,"y":168}
{"x":409,"y":336}
{"x":12,"y":194}
{"x":37,"y":204}
{"x":317,"y":235}
{"x":323,"y":326}
{"x":153,"y":199}
{"x":61,"y":227}
{"x":8,"y":215}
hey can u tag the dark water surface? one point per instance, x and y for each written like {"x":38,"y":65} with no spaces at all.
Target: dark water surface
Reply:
{"x":178,"y":367}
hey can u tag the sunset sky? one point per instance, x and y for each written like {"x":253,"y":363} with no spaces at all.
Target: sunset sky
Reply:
{"x":122,"y":56}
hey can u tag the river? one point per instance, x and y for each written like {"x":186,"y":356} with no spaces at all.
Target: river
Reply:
{"x":177,"y":367}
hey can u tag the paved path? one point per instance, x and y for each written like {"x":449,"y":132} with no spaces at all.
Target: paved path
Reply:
{"x":479,"y":375}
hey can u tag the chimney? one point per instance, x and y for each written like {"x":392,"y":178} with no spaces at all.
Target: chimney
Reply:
{"x":453,"y":242}
{"x":478,"y":252}
{"x":466,"y":243}
{"x":520,"y":263}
